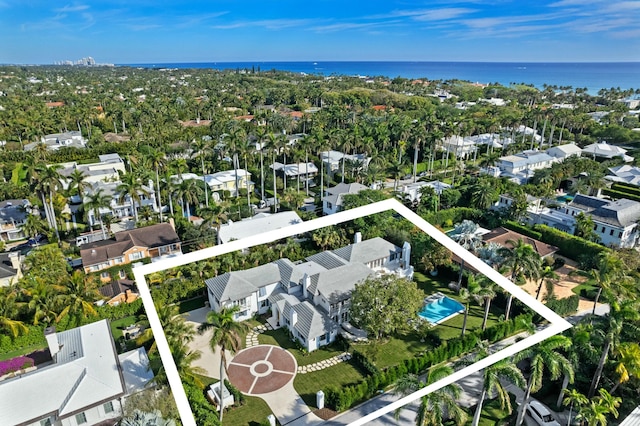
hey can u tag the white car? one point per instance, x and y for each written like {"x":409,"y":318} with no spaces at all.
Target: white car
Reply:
{"x":540,"y":414}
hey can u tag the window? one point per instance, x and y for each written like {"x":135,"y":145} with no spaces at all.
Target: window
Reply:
{"x":135,"y":256}
{"x":104,"y":275}
{"x":46,"y":422}
{"x":122,"y":273}
{"x":118,"y":260}
{"x":611,"y":232}
{"x":108,"y":407}
{"x":620,"y":234}
{"x":329,"y":206}
{"x":262,"y":292}
{"x":81,"y":418}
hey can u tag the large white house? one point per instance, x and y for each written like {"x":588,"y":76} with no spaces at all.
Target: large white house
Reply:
{"x":615,"y":222}
{"x":312,"y":297}
{"x":562,"y":152}
{"x":606,"y":151}
{"x":84,"y":384}
{"x":108,"y":169}
{"x":519,"y":167}
{"x":56,"y":141}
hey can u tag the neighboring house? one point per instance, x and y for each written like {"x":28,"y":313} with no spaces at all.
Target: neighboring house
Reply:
{"x":615,"y":222}
{"x":459,"y":146}
{"x":605,"y":151}
{"x":119,"y":209}
{"x":13,"y":214}
{"x":119,"y":291}
{"x":226,"y":181}
{"x":312,"y":297}
{"x":332,"y":160}
{"x":10,"y":268}
{"x":56,"y":141}
{"x":155,"y":241}
{"x":303,"y":171}
{"x":503,"y":236}
{"x":519,"y":167}
{"x":411,"y":191}
{"x":106,"y":170}
{"x":506,"y":200}
{"x":85,"y":383}
{"x":625,"y":173}
{"x":261,"y":222}
{"x":332,"y":200}
{"x":562,"y":152}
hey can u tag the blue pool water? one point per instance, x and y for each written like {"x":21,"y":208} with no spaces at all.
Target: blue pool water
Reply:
{"x":564,"y":198}
{"x":440,"y":309}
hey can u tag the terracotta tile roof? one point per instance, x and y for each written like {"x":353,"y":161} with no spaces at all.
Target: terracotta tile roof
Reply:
{"x":502,"y":235}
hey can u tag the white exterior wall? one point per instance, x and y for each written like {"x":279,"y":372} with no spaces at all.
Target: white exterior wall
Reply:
{"x":94,"y":415}
{"x":329,"y":209}
{"x":268,"y":290}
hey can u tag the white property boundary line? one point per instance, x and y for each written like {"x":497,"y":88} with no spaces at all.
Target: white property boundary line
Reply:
{"x":557,"y":323}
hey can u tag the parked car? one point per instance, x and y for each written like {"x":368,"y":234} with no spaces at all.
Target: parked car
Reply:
{"x":540,"y":414}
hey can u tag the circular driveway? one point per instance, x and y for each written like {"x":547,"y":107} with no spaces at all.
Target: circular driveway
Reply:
{"x":261,"y":369}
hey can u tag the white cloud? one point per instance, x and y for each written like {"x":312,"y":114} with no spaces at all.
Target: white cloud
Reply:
{"x":70,"y":8}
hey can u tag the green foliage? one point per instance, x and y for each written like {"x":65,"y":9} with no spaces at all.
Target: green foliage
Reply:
{"x":238,"y":397}
{"x":616,"y":194}
{"x":446,"y":218}
{"x":564,"y":307}
{"x":347,"y":396}
{"x":385,"y":305}
{"x":570,"y":246}
{"x":203,"y":411}
{"x":522,"y":229}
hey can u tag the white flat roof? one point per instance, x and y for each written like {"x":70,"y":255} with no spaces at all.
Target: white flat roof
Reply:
{"x":87,"y":373}
{"x":257,"y":224}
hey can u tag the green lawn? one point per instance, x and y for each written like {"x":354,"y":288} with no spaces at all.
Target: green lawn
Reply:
{"x":253,"y":412}
{"x":492,"y":415}
{"x":280,"y":338}
{"x":22,"y":351}
{"x":342,"y":374}
{"x":394,"y":350}
{"x":118,"y":325}
{"x":191,"y":304}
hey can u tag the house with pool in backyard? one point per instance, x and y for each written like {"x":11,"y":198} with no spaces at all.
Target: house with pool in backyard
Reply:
{"x":311,"y":298}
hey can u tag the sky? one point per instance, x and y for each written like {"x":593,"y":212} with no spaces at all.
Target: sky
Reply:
{"x":145,"y":31}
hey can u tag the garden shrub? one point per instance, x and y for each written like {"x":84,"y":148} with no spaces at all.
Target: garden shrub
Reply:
{"x":564,"y":307}
{"x":570,"y":245}
{"x":446,"y":218}
{"x":15,"y":364}
{"x":522,"y":229}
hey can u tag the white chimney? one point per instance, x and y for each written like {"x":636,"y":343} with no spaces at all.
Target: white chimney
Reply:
{"x":306,"y":282}
{"x":357,"y":237}
{"x":14,"y":257}
{"x":294,"y":317}
{"x":52,"y":340}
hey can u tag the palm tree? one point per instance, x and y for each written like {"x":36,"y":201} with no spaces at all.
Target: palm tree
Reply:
{"x":79,"y":296}
{"x":544,"y":356}
{"x":130,"y":186}
{"x":34,"y":226}
{"x":8,"y":312}
{"x":227,"y":335}
{"x":491,"y":385}
{"x":483,"y":194}
{"x":76,"y":181}
{"x":438,"y":405}
{"x":608,"y":329}
{"x":465,"y":234}
{"x":627,"y":363}
{"x":546,"y":274}
{"x":596,"y":410}
{"x":49,"y":180}
{"x":609,"y":276}
{"x":573,"y":397}
{"x":158,"y":161}
{"x":95,"y":201}
{"x":189,"y":192}
{"x":522,"y":260}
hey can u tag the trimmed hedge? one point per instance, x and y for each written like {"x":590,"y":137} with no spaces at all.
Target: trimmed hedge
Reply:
{"x":570,"y":246}
{"x":522,"y":229}
{"x":626,"y":187}
{"x":620,"y":194}
{"x":564,"y":307}
{"x":348,"y":396}
{"x":448,"y":217}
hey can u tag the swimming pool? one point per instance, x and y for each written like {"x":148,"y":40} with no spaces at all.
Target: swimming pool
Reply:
{"x":564,"y":198}
{"x":440,"y":309}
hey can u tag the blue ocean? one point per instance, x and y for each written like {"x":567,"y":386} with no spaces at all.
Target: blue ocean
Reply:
{"x":593,"y":76}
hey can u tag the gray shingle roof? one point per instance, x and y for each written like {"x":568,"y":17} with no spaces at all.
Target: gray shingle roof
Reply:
{"x":338,"y":283}
{"x":620,"y":212}
{"x":327,"y":260}
{"x":311,"y":322}
{"x":367,"y":251}
{"x":240,"y":284}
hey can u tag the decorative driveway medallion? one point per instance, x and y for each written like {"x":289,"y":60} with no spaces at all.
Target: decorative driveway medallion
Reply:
{"x":261,"y":369}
